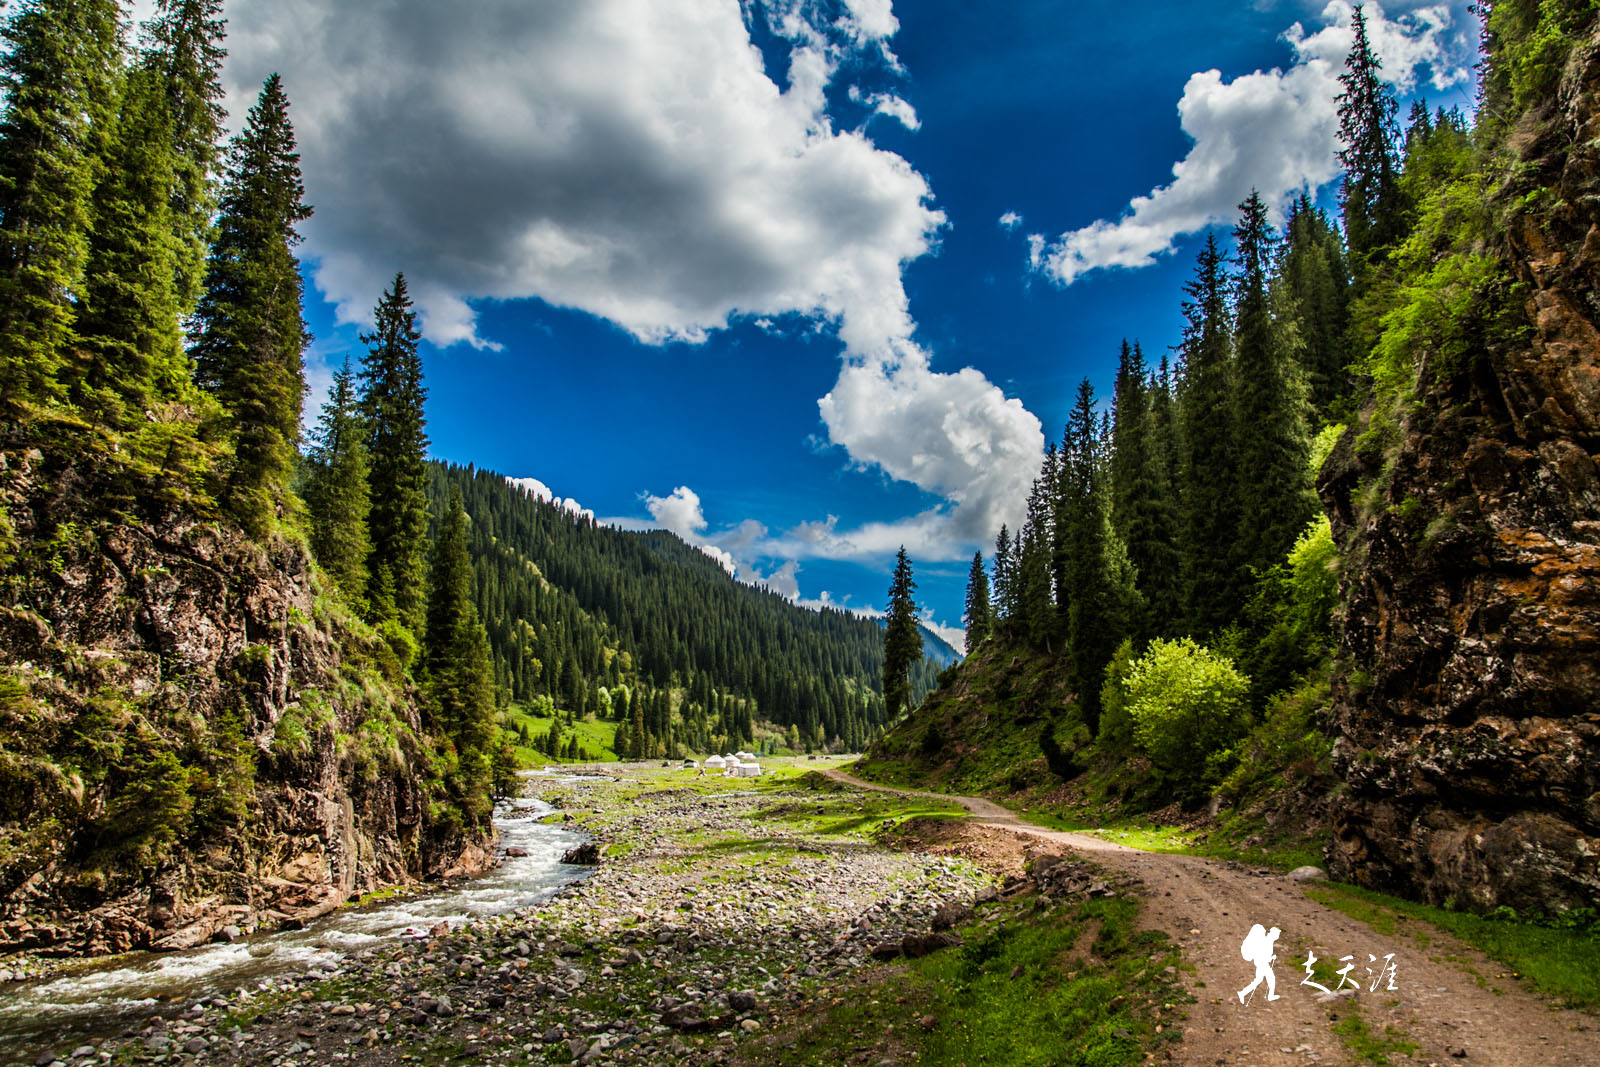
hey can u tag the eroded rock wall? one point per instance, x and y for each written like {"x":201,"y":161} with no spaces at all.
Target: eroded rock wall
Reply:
{"x":1468,"y":715}
{"x":193,"y":738}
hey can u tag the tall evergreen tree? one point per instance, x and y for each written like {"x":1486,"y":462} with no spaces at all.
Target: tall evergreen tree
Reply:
{"x":129,"y":348}
{"x":1275,"y":493}
{"x":59,"y":78}
{"x":1099,"y":594}
{"x":1037,"y":616}
{"x":336,"y":491}
{"x":977,"y":615}
{"x":902,"y":641}
{"x":1143,"y":512}
{"x":184,"y":52}
{"x":248,"y":328}
{"x":392,"y":404}
{"x":456,"y":665}
{"x":1374,"y":208}
{"x":1209,"y":481}
{"x":1005,"y":597}
{"x":1312,"y":274}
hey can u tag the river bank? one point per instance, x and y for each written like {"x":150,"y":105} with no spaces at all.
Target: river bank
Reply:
{"x":716,"y":906}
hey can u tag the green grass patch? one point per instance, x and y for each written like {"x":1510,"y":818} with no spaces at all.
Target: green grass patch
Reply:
{"x":594,"y":736}
{"x":1557,"y":960}
{"x":1034,"y":983}
{"x":1367,"y":1046}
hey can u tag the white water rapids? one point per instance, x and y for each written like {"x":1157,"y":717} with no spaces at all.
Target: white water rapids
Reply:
{"x":104,"y":1000}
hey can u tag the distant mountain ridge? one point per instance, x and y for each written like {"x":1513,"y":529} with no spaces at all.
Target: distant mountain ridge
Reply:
{"x":572,"y":606}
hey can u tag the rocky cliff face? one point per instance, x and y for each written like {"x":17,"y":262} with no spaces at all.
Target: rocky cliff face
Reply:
{"x":1469,"y":714}
{"x":192,"y":737}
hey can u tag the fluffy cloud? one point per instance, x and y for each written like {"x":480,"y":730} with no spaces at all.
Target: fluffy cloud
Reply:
{"x":955,"y":436}
{"x":1275,"y":131}
{"x":534,"y":487}
{"x":1010,"y":221}
{"x":633,"y":159}
{"x":628,"y":158}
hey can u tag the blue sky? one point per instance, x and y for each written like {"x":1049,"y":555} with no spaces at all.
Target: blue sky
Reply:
{"x":740,"y":270}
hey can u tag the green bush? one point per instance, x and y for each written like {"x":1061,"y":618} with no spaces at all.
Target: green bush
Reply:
{"x":1188,"y":707}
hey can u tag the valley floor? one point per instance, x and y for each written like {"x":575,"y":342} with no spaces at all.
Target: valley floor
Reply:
{"x":816,"y":919}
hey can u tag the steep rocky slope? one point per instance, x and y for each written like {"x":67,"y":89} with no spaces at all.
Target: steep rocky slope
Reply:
{"x":192,"y":736}
{"x":1469,"y":712}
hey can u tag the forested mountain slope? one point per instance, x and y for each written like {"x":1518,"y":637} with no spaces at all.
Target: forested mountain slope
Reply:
{"x":572,"y":607}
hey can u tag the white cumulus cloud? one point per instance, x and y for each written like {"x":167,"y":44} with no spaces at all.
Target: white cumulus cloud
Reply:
{"x":954,"y":435}
{"x":1275,"y":131}
{"x":1010,"y":221}
{"x":628,"y":158}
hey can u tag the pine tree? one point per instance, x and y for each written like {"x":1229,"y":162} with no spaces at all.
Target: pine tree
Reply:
{"x":1313,"y":277}
{"x":392,"y":404}
{"x":184,"y":52}
{"x":977,"y":615}
{"x":336,"y":491}
{"x":129,"y":349}
{"x":59,"y":79}
{"x":1275,"y":493}
{"x":1037,"y":615}
{"x":1004,"y":588}
{"x":1374,"y":208}
{"x":902,"y":641}
{"x":249,"y":333}
{"x":1099,"y":593}
{"x":1143,"y":513}
{"x":456,"y":660}
{"x":1209,"y":481}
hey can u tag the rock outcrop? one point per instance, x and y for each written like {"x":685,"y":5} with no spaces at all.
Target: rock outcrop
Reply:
{"x":1468,"y":713}
{"x":195,"y":741}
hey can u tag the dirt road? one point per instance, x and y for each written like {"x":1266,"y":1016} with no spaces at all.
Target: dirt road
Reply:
{"x":1450,"y":1002}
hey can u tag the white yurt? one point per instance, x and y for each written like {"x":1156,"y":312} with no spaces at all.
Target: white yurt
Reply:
{"x":732,"y":763}
{"x":745,"y":757}
{"x":747,"y":769}
{"x":716,"y":763}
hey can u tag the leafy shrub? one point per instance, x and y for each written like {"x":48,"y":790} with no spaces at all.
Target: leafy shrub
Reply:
{"x":1188,"y":706}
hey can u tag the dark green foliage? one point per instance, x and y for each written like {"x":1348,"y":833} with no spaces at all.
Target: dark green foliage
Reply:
{"x":1097,"y":582}
{"x":902,"y":641}
{"x":1315,"y":286}
{"x":1143,"y":504}
{"x":130,"y":346}
{"x":1005,"y":597}
{"x":1275,"y":492}
{"x":1036,"y":616}
{"x":458,"y":675}
{"x":1374,"y":204}
{"x":392,"y":398}
{"x":184,"y":53}
{"x":249,"y":333}
{"x":59,"y":78}
{"x":571,"y":606}
{"x":1209,"y":481}
{"x":977,"y":615}
{"x":336,"y":491}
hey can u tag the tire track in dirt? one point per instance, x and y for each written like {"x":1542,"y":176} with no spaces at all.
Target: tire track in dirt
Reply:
{"x":1208,"y":906}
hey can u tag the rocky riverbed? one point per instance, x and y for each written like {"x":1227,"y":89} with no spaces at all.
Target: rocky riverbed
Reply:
{"x":715,"y":912}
